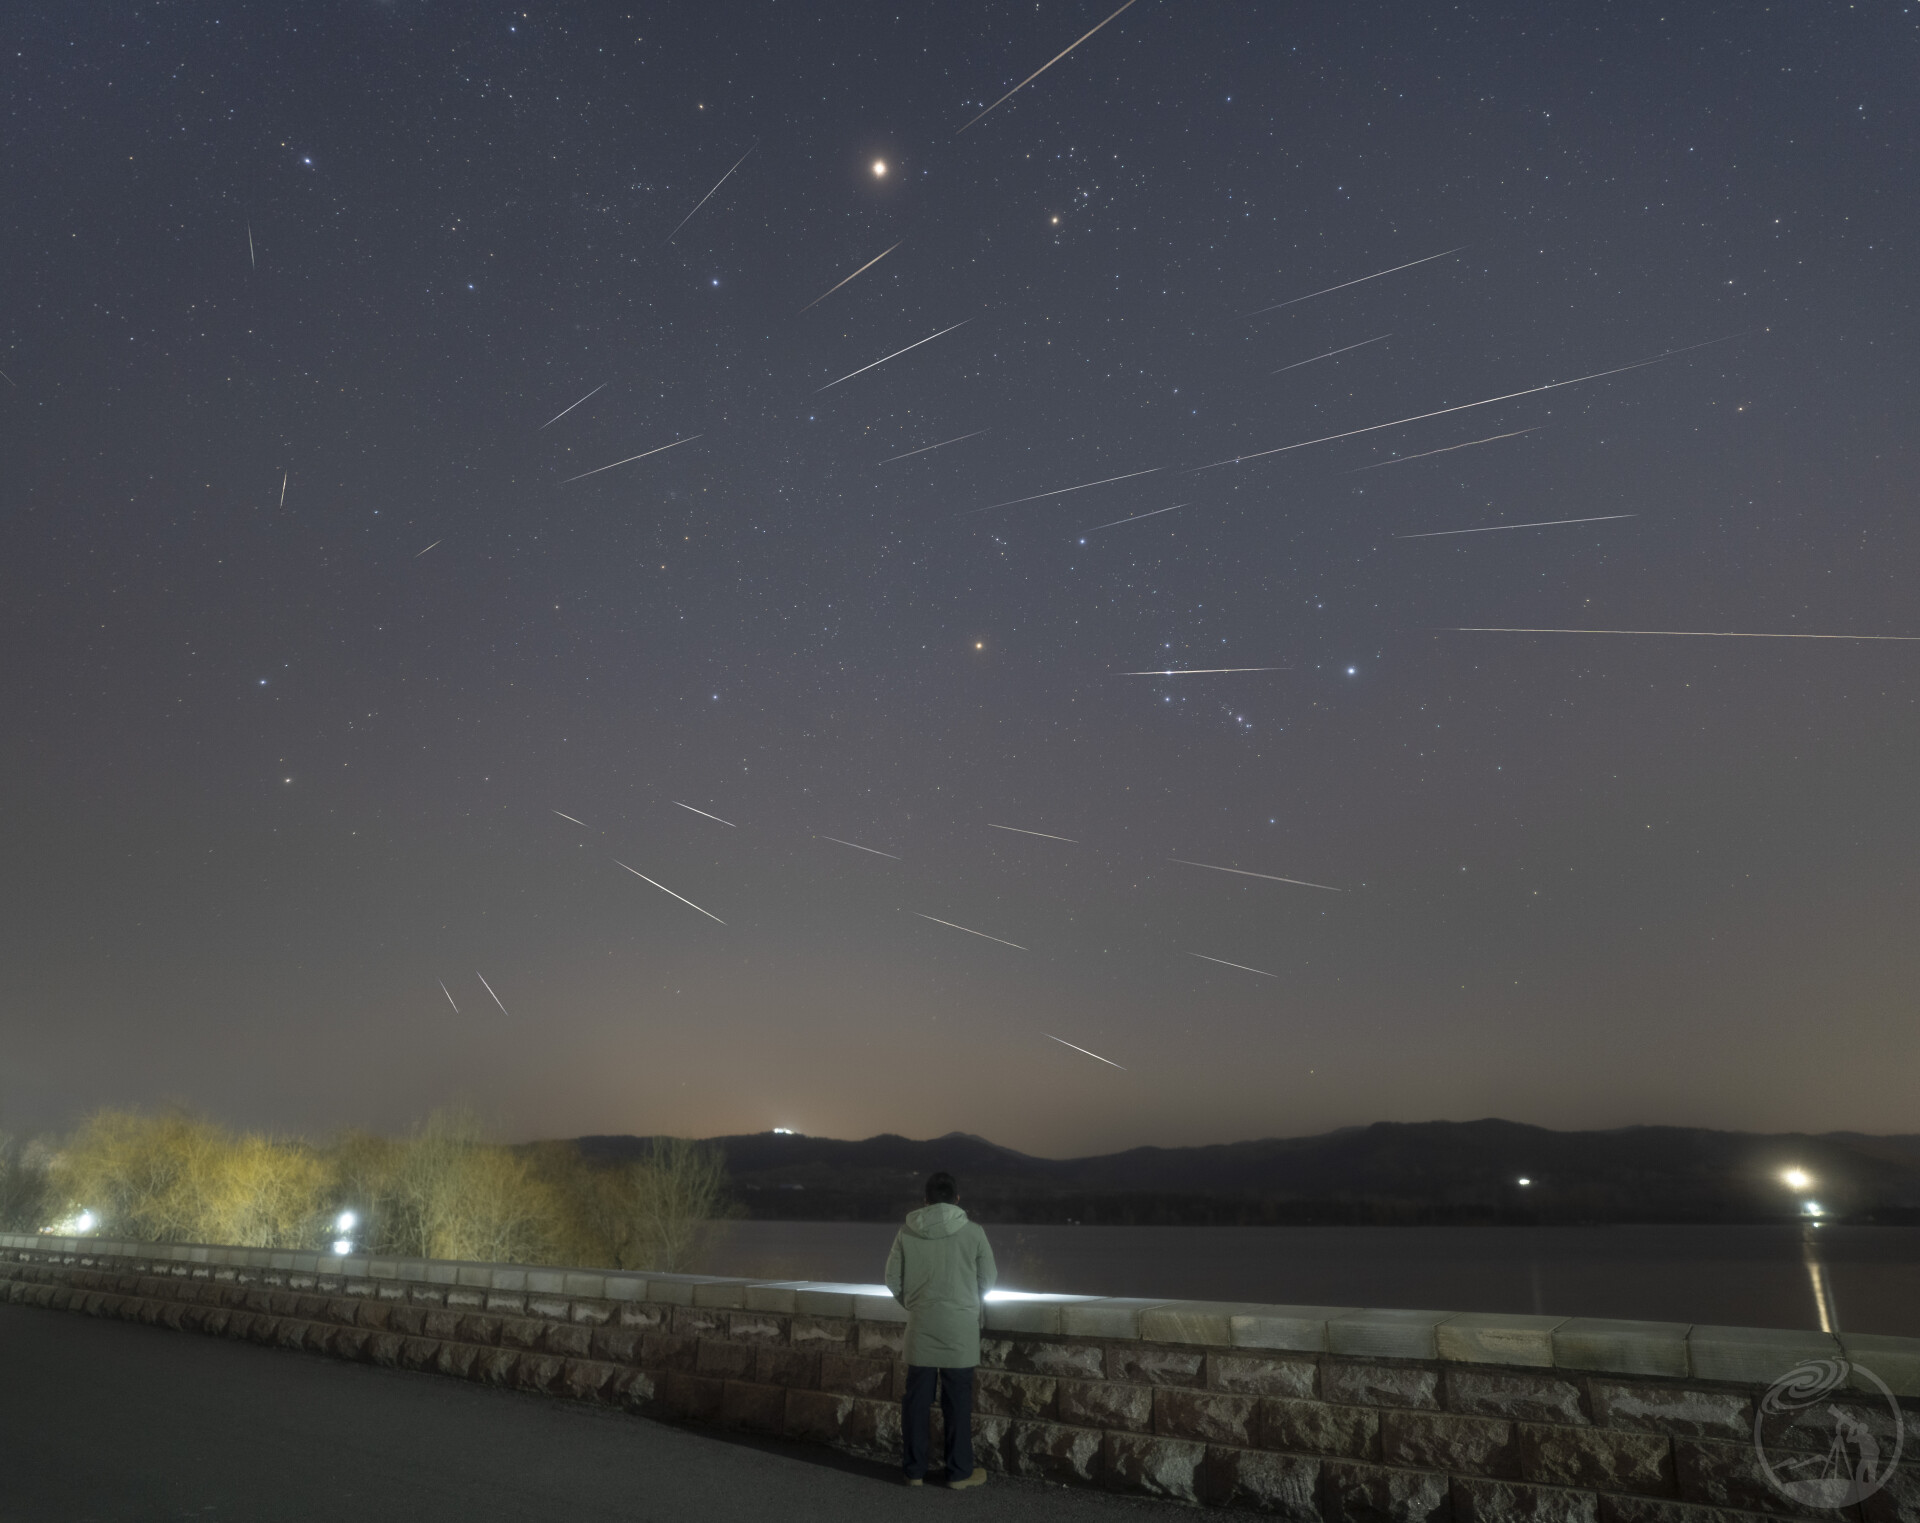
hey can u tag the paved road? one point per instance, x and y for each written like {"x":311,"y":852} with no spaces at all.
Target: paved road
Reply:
{"x":112,"y":1422}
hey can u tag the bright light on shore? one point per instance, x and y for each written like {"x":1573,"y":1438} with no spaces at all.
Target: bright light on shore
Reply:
{"x":1814,"y":1208}
{"x":77,"y":1225}
{"x":348,"y":1221}
{"x":1796,"y":1179}
{"x":343,"y":1245}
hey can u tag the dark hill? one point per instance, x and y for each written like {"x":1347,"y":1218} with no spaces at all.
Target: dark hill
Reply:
{"x":1436,"y":1171}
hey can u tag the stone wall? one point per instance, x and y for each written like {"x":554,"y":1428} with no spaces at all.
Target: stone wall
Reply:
{"x":1310,"y":1413}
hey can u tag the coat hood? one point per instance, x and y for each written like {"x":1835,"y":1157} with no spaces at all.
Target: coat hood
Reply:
{"x":942,"y":1220}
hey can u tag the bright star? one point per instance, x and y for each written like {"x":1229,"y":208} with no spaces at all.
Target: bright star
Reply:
{"x":1352,"y":670}
{"x":879,"y":169}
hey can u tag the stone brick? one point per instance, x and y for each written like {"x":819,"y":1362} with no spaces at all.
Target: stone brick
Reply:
{"x":239,"y":1323}
{"x":1155,"y":1467}
{"x":477,"y":1327}
{"x":307,"y":1308}
{"x":319,"y":1337}
{"x":495,"y":1366}
{"x":1355,"y":1493}
{"x":818,"y":1415}
{"x":882,"y":1340}
{"x":700,"y":1321}
{"x":1727,"y":1475}
{"x":1031,"y":1356}
{"x":348,"y":1342}
{"x":1899,"y":1500}
{"x":1283,"y":1485}
{"x":642,"y":1315}
{"x":1597,"y":1457}
{"x":1144,"y":1364}
{"x":759,"y":1408}
{"x":1261,"y":1374}
{"x":427,"y":1295}
{"x":852,"y":1376}
{"x":282,"y":1304}
{"x":1104,"y":1404}
{"x":213,"y":1322}
{"x":667,"y":1351}
{"x":756,"y":1327}
{"x":467,"y":1298}
{"x":418,"y":1353}
{"x":726,"y":1361}
{"x":172,"y":1314}
{"x":1504,"y":1393}
{"x":440,"y":1324}
{"x":1380,"y":1385}
{"x":373,"y":1314}
{"x":1627,"y":1509}
{"x":1672,"y":1410}
{"x":457,"y":1359}
{"x":343,"y":1310}
{"x":1319,"y":1427}
{"x":521,"y":1332}
{"x":1212,"y":1417}
{"x":632,"y":1388}
{"x":1009,"y":1395}
{"x":550,"y":1308}
{"x":1480,"y":1501}
{"x":1476,"y":1445}
{"x":506,"y":1303}
{"x":821,"y":1332}
{"x":592,"y":1312}
{"x":585,"y":1379}
{"x":620,"y":1344}
{"x":1054,"y":1452}
{"x":795,"y":1369}
{"x":537,"y":1372}
{"x":567,"y":1339}
{"x":383,"y":1349}
{"x":265,"y":1329}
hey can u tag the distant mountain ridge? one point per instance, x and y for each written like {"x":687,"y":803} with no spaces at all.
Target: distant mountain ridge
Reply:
{"x":1389,"y":1172}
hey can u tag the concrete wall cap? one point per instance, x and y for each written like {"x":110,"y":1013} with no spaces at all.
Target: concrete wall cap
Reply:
{"x":774,"y":1296}
{"x":1619,"y":1347}
{"x":1018,"y":1311}
{"x":1300,"y":1329}
{"x":1754,"y":1355}
{"x":1106,"y":1317}
{"x":1209,"y":1322}
{"x":723,"y":1294}
{"x":1388,"y":1333}
{"x":1896,"y":1361}
{"x":880,"y":1308}
{"x":626,"y":1287}
{"x":512,"y":1281}
{"x":1484,"y":1337}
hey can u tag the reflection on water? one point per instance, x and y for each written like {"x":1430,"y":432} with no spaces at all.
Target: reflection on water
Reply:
{"x":1784,"y":1276}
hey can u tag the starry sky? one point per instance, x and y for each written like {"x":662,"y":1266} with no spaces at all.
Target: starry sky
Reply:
{"x":312,"y":646}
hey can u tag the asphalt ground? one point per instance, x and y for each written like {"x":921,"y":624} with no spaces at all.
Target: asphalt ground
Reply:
{"x":113,"y":1422}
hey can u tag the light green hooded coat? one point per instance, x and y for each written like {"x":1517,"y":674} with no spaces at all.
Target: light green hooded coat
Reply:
{"x":941,"y":1269}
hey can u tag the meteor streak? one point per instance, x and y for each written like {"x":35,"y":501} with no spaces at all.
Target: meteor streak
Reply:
{"x":1040,"y":833}
{"x":1242,"y":872}
{"x":1094,"y":1055}
{"x":444,"y":990}
{"x":1545,"y":523}
{"x":418,"y":553}
{"x":581,"y":823}
{"x":283,"y":489}
{"x":858,"y":847}
{"x":894,"y":356}
{"x":1691,"y":634}
{"x":703,"y":813}
{"x":861,"y":271}
{"x":1041,"y":70}
{"x":1331,"y":353}
{"x":571,"y":405}
{"x":1138,"y":516}
{"x":1441,"y":412}
{"x":9,"y":380}
{"x":255,"y":264}
{"x":631,"y":458}
{"x":709,"y":195}
{"x":1240,"y":965}
{"x":982,"y":934}
{"x":1205,"y":671}
{"x":489,"y":988}
{"x":1449,"y":449}
{"x":941,"y":445}
{"x":1059,"y":491}
{"x":1360,"y":282}
{"x":665,"y":890}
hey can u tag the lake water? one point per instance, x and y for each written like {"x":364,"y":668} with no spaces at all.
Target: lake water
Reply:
{"x":1743,"y":1276}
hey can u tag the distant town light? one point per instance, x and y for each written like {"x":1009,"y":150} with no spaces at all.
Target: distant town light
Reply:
{"x":783,"y":1131}
{"x":1796,"y":1179}
{"x":77,"y":1225}
{"x":1814,"y":1208}
{"x":343,"y":1245}
{"x":348,"y":1221}
{"x":1524,"y":1180}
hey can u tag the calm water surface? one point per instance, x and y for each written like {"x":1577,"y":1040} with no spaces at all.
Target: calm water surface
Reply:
{"x":1745,"y":1276}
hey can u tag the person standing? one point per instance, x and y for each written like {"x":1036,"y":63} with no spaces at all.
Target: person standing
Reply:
{"x":940,"y":1268}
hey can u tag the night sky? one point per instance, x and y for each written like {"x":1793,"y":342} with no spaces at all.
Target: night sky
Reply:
{"x":274,"y":770}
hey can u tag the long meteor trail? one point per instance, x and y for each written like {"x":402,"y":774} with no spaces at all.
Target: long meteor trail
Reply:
{"x":1138,"y":516}
{"x":941,"y":445}
{"x":1204,"y":671}
{"x":703,"y":813}
{"x":1015,"y":502}
{"x":665,"y":890}
{"x":1040,"y":833}
{"x":858,"y":847}
{"x":1331,"y":353}
{"x":1447,"y":449}
{"x":1041,"y":70}
{"x":418,"y":553}
{"x":1689,"y":634}
{"x":857,"y":273}
{"x":631,"y":458}
{"x":581,"y":823}
{"x":489,"y":988}
{"x":449,"y":993}
{"x":1243,"y":873}
{"x":1240,"y":965}
{"x":1094,"y":1055}
{"x":1441,"y":412}
{"x":970,"y":931}
{"x":255,"y":263}
{"x":1545,"y":523}
{"x":571,"y":405}
{"x":709,"y":195}
{"x":894,"y":356}
{"x":1329,"y":290}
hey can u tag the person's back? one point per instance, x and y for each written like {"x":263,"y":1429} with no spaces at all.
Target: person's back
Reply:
{"x":940,"y":1269}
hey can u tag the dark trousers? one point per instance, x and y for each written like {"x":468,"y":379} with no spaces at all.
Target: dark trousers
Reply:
{"x":916,"y":1419}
